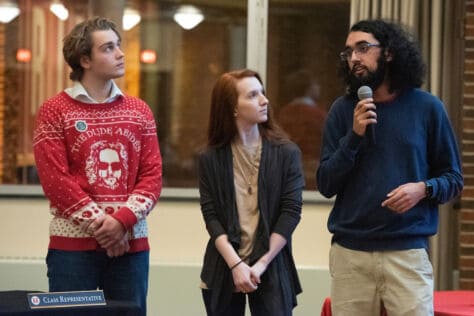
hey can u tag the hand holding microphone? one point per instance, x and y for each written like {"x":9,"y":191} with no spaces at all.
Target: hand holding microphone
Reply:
{"x":364,"y":114}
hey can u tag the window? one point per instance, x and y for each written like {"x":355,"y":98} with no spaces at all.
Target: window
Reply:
{"x":304,"y":41}
{"x":172,"y":68}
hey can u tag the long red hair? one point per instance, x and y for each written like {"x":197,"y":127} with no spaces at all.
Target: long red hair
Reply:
{"x":222,"y":127}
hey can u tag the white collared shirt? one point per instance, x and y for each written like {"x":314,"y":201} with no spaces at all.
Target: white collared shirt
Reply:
{"x":79,"y":93}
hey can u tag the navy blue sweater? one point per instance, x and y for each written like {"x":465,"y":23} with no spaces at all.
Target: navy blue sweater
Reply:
{"x":414,"y":142}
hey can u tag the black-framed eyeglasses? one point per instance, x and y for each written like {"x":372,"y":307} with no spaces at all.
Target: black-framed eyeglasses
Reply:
{"x":359,"y":49}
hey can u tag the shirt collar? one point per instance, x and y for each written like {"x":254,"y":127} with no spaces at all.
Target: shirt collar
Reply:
{"x":78,"y":92}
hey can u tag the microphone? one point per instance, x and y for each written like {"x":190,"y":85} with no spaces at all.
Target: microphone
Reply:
{"x":365,"y":92}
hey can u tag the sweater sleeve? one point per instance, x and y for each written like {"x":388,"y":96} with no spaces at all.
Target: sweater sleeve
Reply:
{"x":444,"y":163}
{"x":208,"y":205}
{"x":67,"y":198}
{"x":148,"y":184}
{"x":338,"y":153}
{"x":291,"y":199}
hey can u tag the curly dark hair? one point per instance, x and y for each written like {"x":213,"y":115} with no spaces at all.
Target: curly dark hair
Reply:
{"x":406,"y":69}
{"x":78,"y":43}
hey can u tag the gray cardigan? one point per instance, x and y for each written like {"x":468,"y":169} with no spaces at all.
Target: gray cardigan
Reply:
{"x":280,"y":186}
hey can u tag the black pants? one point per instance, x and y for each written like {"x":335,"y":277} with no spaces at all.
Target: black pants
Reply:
{"x":275,"y":306}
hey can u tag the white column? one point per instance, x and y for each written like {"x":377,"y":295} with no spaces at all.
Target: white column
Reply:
{"x":257,"y":27}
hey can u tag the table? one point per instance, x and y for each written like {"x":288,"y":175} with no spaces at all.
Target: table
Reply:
{"x":15,"y":303}
{"x":454,"y":303}
{"x":446,"y":303}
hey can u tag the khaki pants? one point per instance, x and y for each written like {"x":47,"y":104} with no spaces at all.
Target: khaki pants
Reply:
{"x":362,"y":281}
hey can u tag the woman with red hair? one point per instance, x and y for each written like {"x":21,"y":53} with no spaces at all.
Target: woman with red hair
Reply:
{"x":250,"y":184}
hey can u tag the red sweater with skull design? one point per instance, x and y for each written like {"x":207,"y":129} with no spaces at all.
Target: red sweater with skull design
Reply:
{"x":97,"y":159}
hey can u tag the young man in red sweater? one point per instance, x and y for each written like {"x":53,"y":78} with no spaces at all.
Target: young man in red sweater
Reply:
{"x":99,"y":162}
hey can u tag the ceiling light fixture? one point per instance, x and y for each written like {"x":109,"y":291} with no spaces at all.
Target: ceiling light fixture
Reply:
{"x":131,"y":17}
{"x":188,"y":16}
{"x":8,"y":11}
{"x":59,"y":10}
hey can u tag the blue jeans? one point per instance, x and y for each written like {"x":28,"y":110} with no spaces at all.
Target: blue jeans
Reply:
{"x":123,"y":278}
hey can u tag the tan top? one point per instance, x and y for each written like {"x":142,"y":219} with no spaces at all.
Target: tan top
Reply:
{"x":246,"y":161}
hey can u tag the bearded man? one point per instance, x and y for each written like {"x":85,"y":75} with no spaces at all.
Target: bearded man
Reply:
{"x":388,"y":184}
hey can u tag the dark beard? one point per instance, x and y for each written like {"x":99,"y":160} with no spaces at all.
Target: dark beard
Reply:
{"x":373,"y":79}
